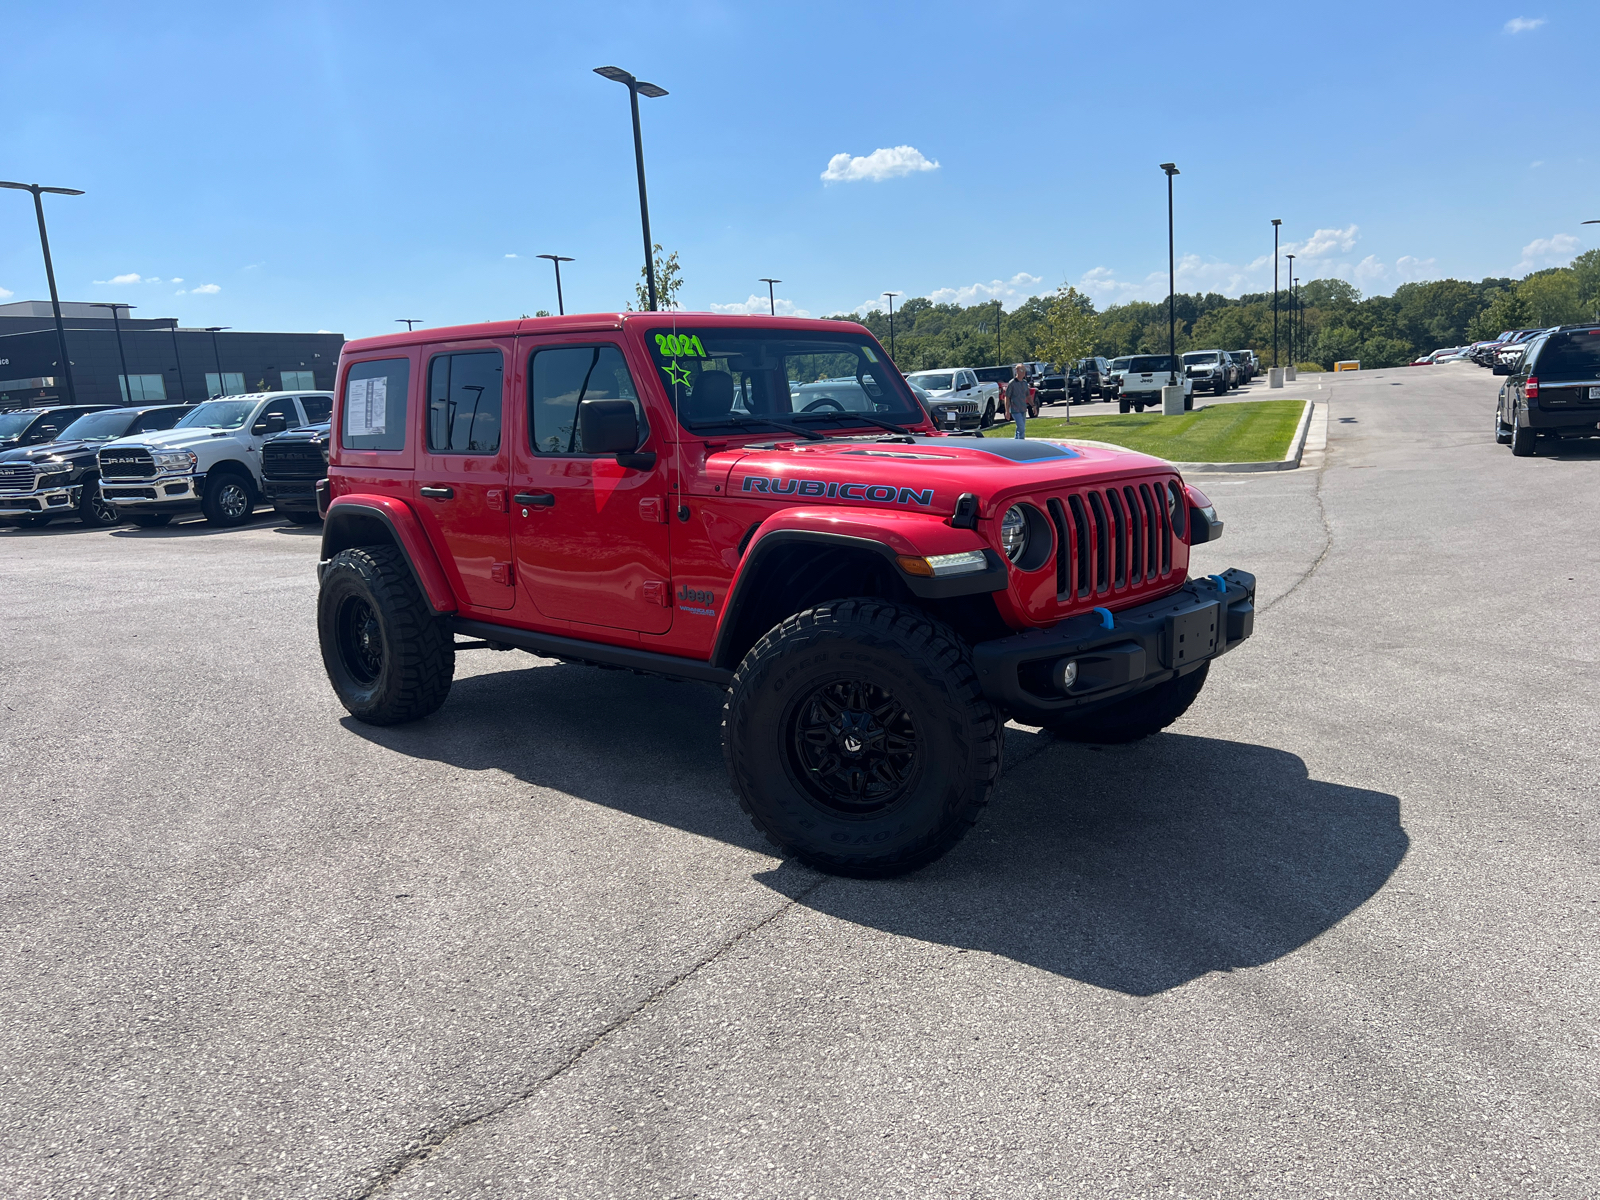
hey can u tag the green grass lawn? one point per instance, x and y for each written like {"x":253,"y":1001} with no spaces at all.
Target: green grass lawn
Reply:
{"x":1250,"y":432}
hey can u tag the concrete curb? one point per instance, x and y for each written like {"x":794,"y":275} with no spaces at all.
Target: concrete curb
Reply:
{"x":1289,"y":462}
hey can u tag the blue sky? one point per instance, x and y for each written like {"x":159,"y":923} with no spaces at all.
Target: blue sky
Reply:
{"x":336,"y":166}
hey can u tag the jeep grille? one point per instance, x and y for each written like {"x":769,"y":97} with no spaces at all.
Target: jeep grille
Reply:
{"x":1115,"y":539}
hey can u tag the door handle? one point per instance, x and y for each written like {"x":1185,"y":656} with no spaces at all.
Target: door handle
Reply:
{"x":542,"y":499}
{"x":438,"y":493}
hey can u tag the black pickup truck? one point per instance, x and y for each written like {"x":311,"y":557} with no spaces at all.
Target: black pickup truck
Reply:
{"x":61,"y":478}
{"x":291,"y":464}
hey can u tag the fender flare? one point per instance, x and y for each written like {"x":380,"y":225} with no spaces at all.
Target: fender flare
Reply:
{"x":341,"y":531}
{"x":885,"y":534}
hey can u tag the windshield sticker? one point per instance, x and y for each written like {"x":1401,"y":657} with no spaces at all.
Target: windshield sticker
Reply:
{"x":366,"y":406}
{"x":871,"y":357}
{"x":680,"y":346}
{"x":878,"y":493}
{"x":676,"y":375}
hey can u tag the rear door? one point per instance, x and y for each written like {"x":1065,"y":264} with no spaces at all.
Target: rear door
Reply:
{"x":590,"y":535}
{"x":463,"y":466}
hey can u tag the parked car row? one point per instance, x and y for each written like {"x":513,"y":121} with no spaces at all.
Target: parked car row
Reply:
{"x":148,"y":463}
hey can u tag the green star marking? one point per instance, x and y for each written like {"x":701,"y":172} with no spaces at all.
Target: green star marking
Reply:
{"x":674,"y":372}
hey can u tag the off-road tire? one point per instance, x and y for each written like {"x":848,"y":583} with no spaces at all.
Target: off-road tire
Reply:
{"x":229,"y":499}
{"x":389,"y":658}
{"x":1137,"y":716}
{"x":1220,"y":388}
{"x":151,"y":520}
{"x":95,"y":512}
{"x":1188,"y":402}
{"x":1524,"y":442}
{"x":770,"y":727}
{"x":1122,"y":406}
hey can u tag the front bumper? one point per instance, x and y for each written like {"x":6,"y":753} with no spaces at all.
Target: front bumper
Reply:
{"x":968,"y":420}
{"x":160,"y":493}
{"x":27,"y":504}
{"x":293,"y":494}
{"x":1145,"y":646}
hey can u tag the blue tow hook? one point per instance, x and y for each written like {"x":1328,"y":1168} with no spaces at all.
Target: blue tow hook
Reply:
{"x":1106,"y":619}
{"x":1222,"y":584}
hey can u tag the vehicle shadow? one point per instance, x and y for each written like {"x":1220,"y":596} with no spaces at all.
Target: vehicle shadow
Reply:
{"x":193,"y":525}
{"x":1133,"y":868}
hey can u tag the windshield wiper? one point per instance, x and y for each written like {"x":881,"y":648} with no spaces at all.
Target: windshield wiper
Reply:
{"x":743,"y":423}
{"x":870,"y":420}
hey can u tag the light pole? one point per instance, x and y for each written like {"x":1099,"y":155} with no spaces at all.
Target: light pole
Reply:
{"x":408,"y":322}
{"x":772,"y":302}
{"x":1172,"y":284}
{"x":1290,"y":257}
{"x":1294,"y":318}
{"x":999,"y":316}
{"x":213,"y":330}
{"x":50,"y":271}
{"x":1275,"y":224}
{"x":557,"y":260}
{"x":127,"y":383}
{"x":891,"y":296}
{"x":637,"y":88}
{"x":183,"y":388}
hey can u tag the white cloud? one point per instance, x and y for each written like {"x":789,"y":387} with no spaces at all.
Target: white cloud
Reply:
{"x":1010,"y":292}
{"x":1523,"y":24}
{"x":757,"y":306}
{"x":1538,"y":162}
{"x":119,"y":280}
{"x":1410,"y":269}
{"x":1554,"y":251}
{"x":5,"y":294}
{"x":881,"y":164}
{"x":1324,"y":242}
{"x":511,"y":256}
{"x":205,"y":289}
{"x":177,"y":279}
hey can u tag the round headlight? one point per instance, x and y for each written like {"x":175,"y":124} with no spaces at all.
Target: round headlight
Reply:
{"x":1014,"y":532}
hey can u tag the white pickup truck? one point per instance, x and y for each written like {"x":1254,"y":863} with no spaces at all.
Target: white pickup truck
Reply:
{"x":1143,"y":378}
{"x":210,"y":460}
{"x":960,"y":383}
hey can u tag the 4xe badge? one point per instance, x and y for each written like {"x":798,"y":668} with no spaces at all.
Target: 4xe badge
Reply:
{"x":695,"y":601}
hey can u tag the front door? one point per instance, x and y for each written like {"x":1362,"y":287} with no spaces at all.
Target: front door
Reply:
{"x":462,"y":469}
{"x":591,"y":535}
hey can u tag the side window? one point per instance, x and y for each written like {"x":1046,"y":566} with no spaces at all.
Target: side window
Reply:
{"x":561,"y":378}
{"x":375,"y":405}
{"x":464,"y":402}
{"x":283,"y":405}
{"x":318,"y":408}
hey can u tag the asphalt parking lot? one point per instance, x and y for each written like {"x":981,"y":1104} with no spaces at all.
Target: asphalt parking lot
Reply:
{"x":1331,"y":935}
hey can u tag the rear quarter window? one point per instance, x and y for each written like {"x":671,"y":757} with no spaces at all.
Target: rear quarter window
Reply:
{"x":374,"y":402}
{"x":1569,"y":356}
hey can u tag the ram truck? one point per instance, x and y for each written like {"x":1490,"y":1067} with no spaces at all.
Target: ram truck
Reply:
{"x":762,"y":505}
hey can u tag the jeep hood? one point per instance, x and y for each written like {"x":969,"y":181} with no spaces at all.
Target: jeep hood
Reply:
{"x":922,"y":474}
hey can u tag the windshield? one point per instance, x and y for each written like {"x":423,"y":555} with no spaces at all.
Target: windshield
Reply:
{"x":719,"y":377}
{"x":1143,"y":363}
{"x":933,"y":383}
{"x":1200,"y":356}
{"x":1120,"y":364}
{"x":98,"y":427}
{"x":218,"y":414}
{"x":12,"y":424}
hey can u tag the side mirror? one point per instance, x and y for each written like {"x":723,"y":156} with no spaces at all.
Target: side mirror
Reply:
{"x":1501,"y":368}
{"x":271,"y":423}
{"x":612,"y":427}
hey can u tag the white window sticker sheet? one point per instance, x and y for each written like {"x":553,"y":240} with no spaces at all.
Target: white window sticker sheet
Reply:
{"x":366,"y":406}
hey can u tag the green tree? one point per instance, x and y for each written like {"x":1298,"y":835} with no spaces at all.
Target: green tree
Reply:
{"x":669,"y":282}
{"x":1587,"y":269}
{"x":1506,"y":310}
{"x":1069,"y":328}
{"x":1552,"y":297}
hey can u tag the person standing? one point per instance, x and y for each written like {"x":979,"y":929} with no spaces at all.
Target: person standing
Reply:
{"x":1017,"y":399}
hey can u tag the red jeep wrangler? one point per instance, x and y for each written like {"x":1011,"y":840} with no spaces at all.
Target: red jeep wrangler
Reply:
{"x":760,"y":504}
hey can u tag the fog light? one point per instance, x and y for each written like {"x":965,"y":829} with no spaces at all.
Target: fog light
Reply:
{"x":1066,"y":674}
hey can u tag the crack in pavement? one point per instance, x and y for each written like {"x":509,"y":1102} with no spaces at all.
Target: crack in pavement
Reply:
{"x":1327,"y":541}
{"x":431,"y":1140}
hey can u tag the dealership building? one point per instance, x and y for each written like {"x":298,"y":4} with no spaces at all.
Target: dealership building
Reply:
{"x":163,"y":360}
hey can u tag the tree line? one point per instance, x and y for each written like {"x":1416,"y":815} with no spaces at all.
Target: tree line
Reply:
{"x":1329,"y":321}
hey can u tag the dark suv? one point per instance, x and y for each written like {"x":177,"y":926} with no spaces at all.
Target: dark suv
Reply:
{"x":291,"y":464}
{"x":62,"y":478}
{"x":1553,"y":390}
{"x":35,"y":426}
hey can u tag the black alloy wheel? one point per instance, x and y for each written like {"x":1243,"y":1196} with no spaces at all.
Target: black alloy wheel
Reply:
{"x":988,"y":416}
{"x":95,"y":510}
{"x":359,"y":639}
{"x":852,"y":746}
{"x":227,"y":500}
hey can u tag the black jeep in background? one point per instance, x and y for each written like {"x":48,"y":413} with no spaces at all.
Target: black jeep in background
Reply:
{"x":291,"y":464}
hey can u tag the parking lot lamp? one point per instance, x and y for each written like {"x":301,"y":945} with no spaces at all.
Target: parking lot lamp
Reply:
{"x":891,"y":296}
{"x":213,"y":330}
{"x":1172,"y":284}
{"x":1294,"y":317}
{"x":637,"y":88}
{"x":408,"y":322}
{"x":1275,"y":224}
{"x":1290,"y":257}
{"x":999,"y":315}
{"x":556,"y":260}
{"x":116,"y":323}
{"x":772,"y":302}
{"x":50,"y":271}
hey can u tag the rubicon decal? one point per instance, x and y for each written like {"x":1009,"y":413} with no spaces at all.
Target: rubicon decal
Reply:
{"x":877,"y":493}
